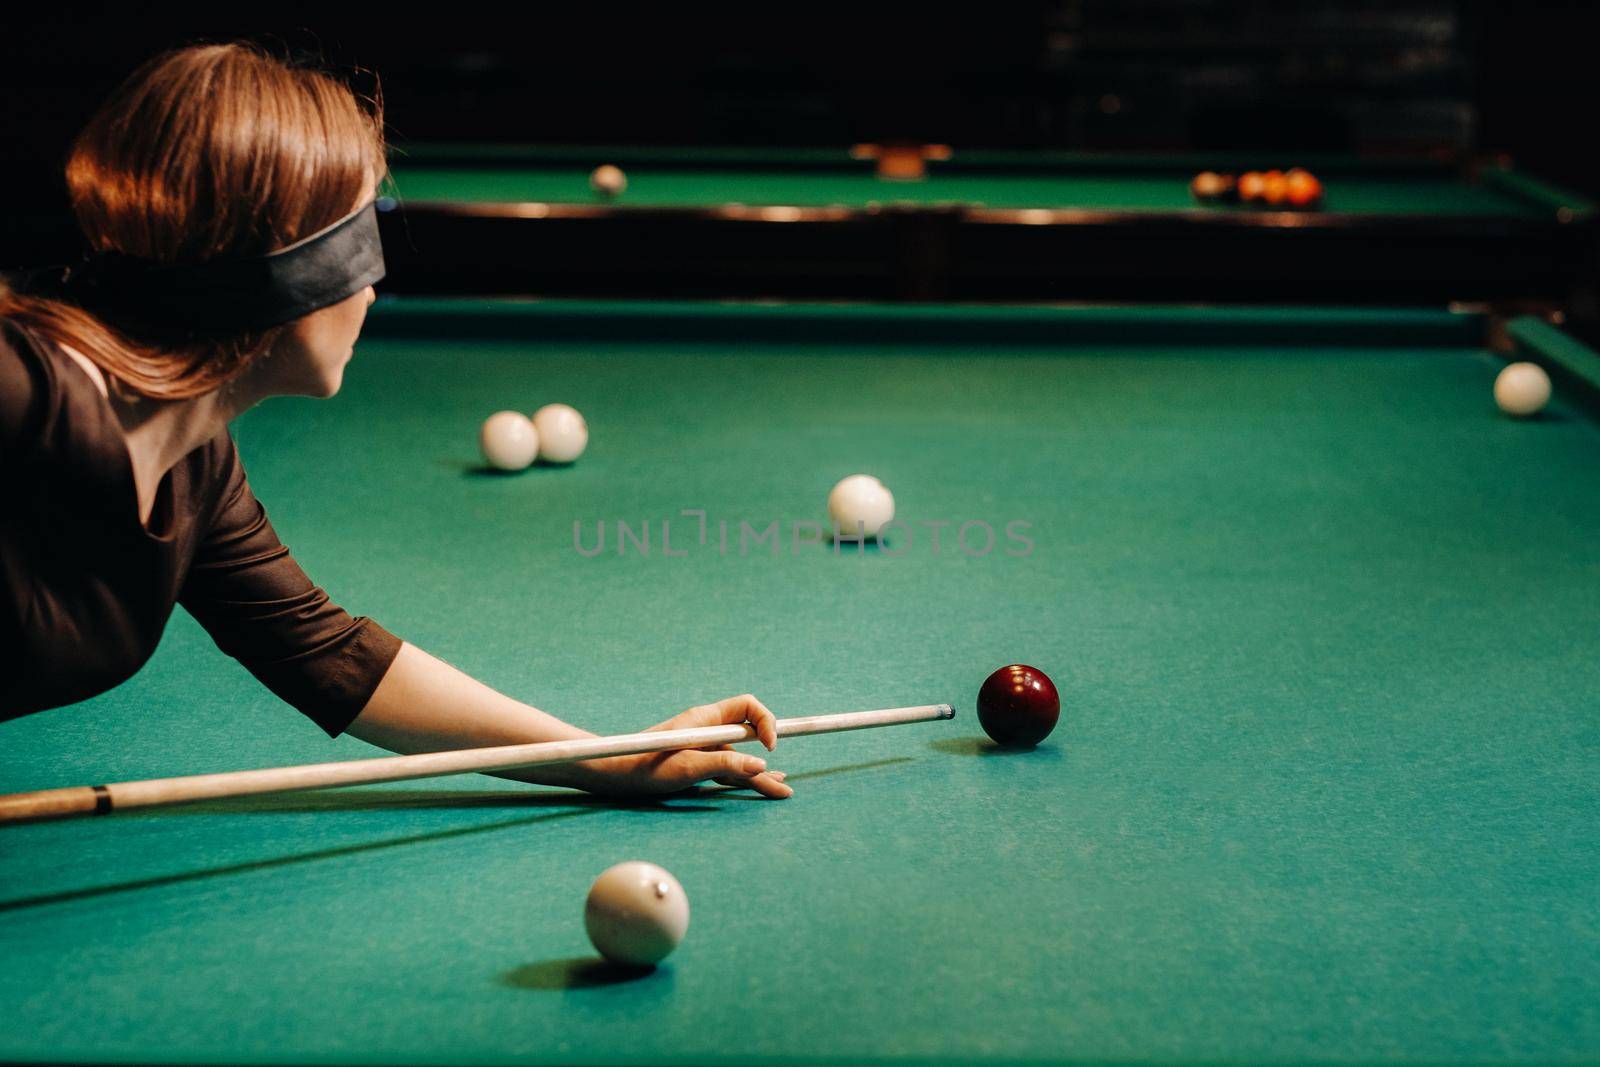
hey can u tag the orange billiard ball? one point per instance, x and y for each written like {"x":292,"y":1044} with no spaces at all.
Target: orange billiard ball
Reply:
{"x":1274,"y":188}
{"x":1304,"y":189}
{"x":1018,"y":706}
{"x":1250,"y":186}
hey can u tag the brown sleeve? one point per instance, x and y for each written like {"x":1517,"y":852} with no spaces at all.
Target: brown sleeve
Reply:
{"x":261,"y":609}
{"x":21,"y":394}
{"x":21,"y":404}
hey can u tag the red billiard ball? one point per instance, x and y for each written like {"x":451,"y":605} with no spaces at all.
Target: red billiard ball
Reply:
{"x":1018,"y":705}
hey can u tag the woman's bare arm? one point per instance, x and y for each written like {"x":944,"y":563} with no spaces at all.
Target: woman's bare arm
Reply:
{"x":425,"y":705}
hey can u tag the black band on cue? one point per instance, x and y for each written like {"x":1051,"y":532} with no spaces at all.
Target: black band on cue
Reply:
{"x":102,"y":800}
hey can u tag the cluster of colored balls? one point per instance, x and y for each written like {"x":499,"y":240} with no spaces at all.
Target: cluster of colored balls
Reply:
{"x":1293,"y":190}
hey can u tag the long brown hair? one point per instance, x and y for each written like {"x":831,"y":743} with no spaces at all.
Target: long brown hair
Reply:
{"x":210,"y":150}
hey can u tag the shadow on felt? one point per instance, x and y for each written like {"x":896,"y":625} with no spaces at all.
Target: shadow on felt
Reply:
{"x":578,"y":972}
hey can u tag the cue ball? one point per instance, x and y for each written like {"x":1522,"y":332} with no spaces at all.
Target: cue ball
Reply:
{"x":1522,"y":389}
{"x":563,"y":435}
{"x":859,"y":504}
{"x":608,"y":180}
{"x":636,"y":914}
{"x":1018,"y":706}
{"x":508,"y":440}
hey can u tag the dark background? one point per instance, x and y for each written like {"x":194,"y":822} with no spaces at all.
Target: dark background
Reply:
{"x":1403,"y":76}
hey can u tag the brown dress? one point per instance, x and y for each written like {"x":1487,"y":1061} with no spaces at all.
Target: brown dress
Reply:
{"x":86,"y":588}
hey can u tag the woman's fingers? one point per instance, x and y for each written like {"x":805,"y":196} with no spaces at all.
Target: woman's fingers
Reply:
{"x":729,"y":768}
{"x":776,"y":776}
{"x":730,"y":763}
{"x":742,"y":708}
{"x":679,"y":769}
{"x":769,"y":784}
{"x":672,"y":772}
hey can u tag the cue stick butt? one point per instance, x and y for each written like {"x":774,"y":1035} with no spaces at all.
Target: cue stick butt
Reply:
{"x":54,"y":803}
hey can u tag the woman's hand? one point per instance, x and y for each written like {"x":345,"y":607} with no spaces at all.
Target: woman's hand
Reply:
{"x":669,"y":772}
{"x":425,"y":705}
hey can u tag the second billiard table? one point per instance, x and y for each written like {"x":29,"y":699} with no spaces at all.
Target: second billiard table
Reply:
{"x":981,"y":226}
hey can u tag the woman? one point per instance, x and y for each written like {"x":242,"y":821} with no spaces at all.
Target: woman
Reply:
{"x":227,"y":201}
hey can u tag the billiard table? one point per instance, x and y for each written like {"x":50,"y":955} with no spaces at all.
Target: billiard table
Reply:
{"x":980,"y":226}
{"x":1324,"y":788}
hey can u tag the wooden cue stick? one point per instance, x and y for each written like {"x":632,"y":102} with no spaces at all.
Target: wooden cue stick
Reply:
{"x":102,"y":799}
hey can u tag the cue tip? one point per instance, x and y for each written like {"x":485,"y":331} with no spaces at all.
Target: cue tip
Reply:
{"x":947,"y":711}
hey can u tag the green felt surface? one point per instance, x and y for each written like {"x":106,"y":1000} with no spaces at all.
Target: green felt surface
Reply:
{"x":688,"y":178}
{"x":1349,"y":194}
{"x":1325,"y":787}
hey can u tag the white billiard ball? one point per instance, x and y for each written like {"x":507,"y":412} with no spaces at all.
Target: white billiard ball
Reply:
{"x":563,"y":435}
{"x":636,"y":913}
{"x":1522,"y":389}
{"x":608,"y":180}
{"x":860,"y":504}
{"x":508,"y":440}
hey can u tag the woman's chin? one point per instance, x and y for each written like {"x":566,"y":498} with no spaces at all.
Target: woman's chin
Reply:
{"x":328,"y":386}
{"x":333,"y":378}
